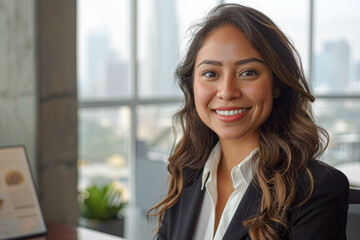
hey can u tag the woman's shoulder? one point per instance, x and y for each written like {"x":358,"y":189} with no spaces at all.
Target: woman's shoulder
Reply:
{"x":321,"y":211}
{"x":328,"y":182}
{"x":328,"y":177}
{"x":191,"y":176}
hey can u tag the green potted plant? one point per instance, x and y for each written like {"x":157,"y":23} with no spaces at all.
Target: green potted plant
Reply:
{"x":100,"y":208}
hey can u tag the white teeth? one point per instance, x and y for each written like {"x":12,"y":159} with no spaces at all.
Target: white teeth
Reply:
{"x":231,"y":112}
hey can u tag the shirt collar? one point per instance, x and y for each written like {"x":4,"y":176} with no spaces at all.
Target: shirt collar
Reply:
{"x":244,"y":168}
{"x":211,"y":164}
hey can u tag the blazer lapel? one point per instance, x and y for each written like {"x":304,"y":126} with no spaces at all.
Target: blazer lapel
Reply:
{"x":189,"y":209}
{"x":249,"y":206}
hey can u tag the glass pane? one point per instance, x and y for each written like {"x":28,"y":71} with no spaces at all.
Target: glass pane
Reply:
{"x":337,"y":50}
{"x":161,"y":31}
{"x":104,"y":136}
{"x":292,"y":17}
{"x":103,"y":49}
{"x":341,"y":118}
{"x":154,"y":142}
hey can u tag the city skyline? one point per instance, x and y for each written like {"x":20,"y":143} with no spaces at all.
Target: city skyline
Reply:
{"x":334,"y":68}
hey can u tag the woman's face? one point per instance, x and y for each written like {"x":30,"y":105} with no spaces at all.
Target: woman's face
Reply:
{"x":233,"y":86}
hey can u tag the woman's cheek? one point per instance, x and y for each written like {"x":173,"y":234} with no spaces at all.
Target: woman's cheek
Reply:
{"x":201,"y":92}
{"x":261,"y":92}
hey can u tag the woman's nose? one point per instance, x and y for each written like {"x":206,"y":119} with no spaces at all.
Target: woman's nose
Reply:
{"x":229,"y":89}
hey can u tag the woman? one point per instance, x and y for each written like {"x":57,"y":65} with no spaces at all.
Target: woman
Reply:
{"x":245,"y":167}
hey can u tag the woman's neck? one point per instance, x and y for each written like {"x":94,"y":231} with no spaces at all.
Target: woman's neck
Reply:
{"x":234,"y":152}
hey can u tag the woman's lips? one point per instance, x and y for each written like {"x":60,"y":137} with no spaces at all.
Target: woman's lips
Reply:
{"x":228,"y":114}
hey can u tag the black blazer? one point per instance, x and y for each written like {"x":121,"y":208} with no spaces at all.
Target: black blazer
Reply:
{"x":323,"y":216}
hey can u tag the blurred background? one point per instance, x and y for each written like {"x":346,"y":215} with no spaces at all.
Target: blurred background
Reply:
{"x":88,"y":87}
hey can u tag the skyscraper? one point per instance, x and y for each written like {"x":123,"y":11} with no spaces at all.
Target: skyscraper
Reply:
{"x":357,"y":72}
{"x":115,"y":79}
{"x":98,"y":54}
{"x":162,"y":46}
{"x":332,"y":67}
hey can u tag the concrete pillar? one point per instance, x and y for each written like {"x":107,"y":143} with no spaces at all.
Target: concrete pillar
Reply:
{"x":57,"y":109}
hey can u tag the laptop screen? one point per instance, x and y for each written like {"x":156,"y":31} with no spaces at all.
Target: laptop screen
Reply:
{"x":20,"y":213}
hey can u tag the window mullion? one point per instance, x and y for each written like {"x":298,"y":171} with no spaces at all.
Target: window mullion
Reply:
{"x":311,"y":43}
{"x":134,"y":95}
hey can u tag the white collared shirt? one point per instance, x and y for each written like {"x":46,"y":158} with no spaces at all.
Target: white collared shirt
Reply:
{"x":241,"y":177}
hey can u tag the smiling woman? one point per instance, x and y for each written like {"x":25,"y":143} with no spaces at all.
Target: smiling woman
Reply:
{"x":246,"y":165}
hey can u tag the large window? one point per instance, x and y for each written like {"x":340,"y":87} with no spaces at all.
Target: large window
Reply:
{"x":128,"y":52}
{"x":336,"y":81}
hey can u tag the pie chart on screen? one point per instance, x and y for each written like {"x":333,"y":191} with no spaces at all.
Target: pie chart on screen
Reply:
{"x":14,"y":178}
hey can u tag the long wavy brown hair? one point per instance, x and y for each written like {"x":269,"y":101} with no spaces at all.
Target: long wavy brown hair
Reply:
{"x":289,"y":139}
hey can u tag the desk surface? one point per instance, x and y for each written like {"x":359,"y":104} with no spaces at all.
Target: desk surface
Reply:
{"x":57,"y":231}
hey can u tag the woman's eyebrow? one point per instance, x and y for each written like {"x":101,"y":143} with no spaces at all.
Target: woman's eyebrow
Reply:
{"x":240,"y":62}
{"x":247,"y":60}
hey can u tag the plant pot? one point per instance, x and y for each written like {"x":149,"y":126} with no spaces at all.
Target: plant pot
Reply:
{"x":112,"y":226}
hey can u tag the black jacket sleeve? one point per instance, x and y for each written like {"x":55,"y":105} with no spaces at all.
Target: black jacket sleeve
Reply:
{"x":162,"y":235}
{"x":323,"y":216}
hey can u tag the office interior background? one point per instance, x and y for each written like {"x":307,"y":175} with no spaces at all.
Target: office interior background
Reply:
{"x":88,"y":87}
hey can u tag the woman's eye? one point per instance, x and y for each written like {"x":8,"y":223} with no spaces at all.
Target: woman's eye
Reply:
{"x":210,"y":74}
{"x":248,"y":73}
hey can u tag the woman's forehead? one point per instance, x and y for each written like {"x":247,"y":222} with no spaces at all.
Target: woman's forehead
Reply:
{"x":226,"y":41}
